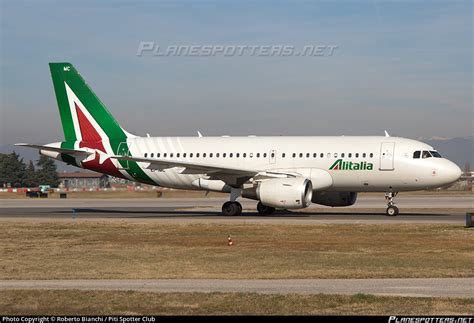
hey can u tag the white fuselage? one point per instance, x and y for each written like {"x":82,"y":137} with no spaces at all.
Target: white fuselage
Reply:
{"x":367,"y":163}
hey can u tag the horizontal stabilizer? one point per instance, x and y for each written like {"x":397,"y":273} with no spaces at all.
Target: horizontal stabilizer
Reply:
{"x":57,"y":149}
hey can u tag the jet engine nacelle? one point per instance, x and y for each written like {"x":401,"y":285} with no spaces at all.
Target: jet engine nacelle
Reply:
{"x":334,"y":198}
{"x":286,"y":193}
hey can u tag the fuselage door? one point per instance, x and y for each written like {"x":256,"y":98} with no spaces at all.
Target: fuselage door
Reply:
{"x":387,"y":152}
{"x":123,"y":150}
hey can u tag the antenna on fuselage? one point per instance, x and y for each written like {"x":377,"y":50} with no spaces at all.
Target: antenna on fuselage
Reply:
{"x":199,"y":134}
{"x":386,"y":134}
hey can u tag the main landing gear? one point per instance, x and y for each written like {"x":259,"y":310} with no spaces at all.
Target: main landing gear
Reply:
{"x":232,"y":207}
{"x":392,"y":210}
{"x":264,"y":210}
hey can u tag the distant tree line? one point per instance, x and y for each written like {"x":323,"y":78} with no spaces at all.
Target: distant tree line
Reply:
{"x":15,"y":172}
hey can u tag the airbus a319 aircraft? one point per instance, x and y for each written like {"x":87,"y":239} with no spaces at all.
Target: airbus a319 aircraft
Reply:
{"x":279,"y":172}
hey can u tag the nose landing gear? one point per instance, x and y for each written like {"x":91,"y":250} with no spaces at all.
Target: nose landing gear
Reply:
{"x":392,"y":210}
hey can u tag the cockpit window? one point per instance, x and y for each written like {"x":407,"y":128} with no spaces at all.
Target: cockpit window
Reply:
{"x":426,"y":154}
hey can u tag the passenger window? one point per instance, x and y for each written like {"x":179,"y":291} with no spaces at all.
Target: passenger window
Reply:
{"x":342,"y":155}
{"x":350,"y":155}
{"x":321,"y":155}
{"x":244,"y":155}
{"x":273,"y":155}
{"x":146,"y":155}
{"x":210,"y":155}
{"x":357,"y":155}
{"x":335,"y":155}
{"x":315,"y":155}
{"x":264,"y":155}
{"x":301,"y":155}
{"x":283,"y":155}
{"x":191,"y":155}
{"x":164,"y":155}
{"x":204,"y":155}
{"x":307,"y":155}
{"x":217,"y":155}
{"x":364,"y":154}
{"x":197,"y":155}
{"x":251,"y":155}
{"x":231,"y":154}
{"x":177,"y":155}
{"x":184,"y":155}
{"x":157,"y":155}
{"x":171,"y":155}
{"x":371,"y":155}
{"x":258,"y":155}
{"x":223,"y":155}
{"x":329,"y":155}
{"x":294,"y":155}
{"x":237,"y":155}
{"x":416,"y":154}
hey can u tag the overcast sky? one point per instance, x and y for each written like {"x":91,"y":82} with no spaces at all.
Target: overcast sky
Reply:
{"x":404,"y":66}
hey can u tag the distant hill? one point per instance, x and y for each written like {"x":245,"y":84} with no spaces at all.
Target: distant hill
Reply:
{"x":459,"y":150}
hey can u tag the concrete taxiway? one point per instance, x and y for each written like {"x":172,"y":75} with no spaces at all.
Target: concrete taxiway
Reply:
{"x":368,"y":209}
{"x":412,"y":287}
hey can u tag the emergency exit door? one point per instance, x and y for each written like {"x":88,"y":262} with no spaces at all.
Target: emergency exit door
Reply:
{"x":387,"y":152}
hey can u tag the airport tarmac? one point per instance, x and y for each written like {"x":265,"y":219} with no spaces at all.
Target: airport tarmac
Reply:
{"x":411,"y":287}
{"x":368,"y":209}
{"x":208,"y":210}
{"x":363,"y":201}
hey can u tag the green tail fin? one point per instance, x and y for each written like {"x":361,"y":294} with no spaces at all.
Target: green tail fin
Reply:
{"x":83,"y":115}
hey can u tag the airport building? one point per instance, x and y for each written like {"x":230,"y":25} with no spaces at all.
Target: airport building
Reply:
{"x":81,"y":180}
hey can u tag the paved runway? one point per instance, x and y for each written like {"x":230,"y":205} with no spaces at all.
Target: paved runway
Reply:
{"x":363,"y":201}
{"x":412,"y":287}
{"x":368,"y":209}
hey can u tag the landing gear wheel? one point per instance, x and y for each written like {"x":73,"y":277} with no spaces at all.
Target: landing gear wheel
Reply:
{"x":231,"y":208}
{"x":392,"y":210}
{"x":264,"y":210}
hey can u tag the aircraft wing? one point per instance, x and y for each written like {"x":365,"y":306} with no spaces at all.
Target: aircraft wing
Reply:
{"x":190,"y":167}
{"x":57,"y":149}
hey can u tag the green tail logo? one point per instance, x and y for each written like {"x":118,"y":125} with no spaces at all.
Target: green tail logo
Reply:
{"x":83,"y":116}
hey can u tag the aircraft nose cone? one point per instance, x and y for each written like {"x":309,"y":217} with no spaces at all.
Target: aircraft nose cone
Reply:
{"x":452,"y":172}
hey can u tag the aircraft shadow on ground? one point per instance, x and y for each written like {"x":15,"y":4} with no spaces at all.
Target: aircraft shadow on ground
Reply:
{"x":137,"y":213}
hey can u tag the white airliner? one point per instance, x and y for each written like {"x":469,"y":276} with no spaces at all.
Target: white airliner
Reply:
{"x":279,"y":172}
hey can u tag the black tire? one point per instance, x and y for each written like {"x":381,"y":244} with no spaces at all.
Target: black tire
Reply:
{"x":231,"y":209}
{"x":264,"y":210}
{"x":392,"y":211}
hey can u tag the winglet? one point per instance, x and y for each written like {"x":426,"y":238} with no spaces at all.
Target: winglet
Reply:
{"x":386,"y":134}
